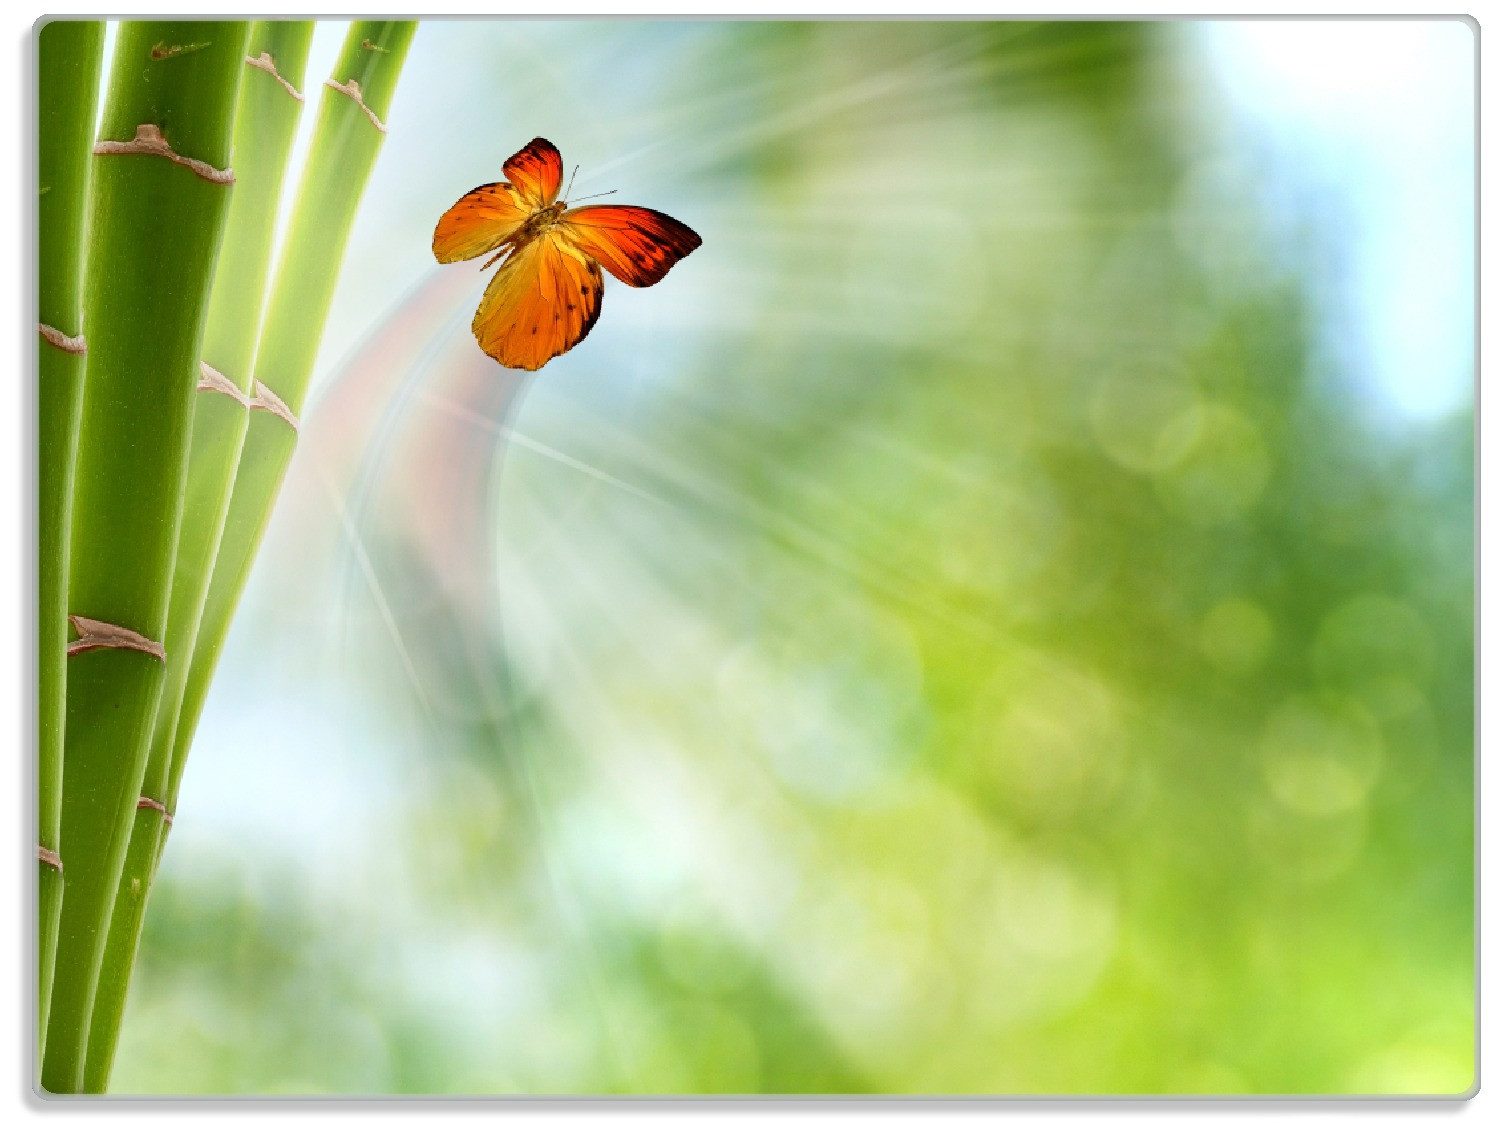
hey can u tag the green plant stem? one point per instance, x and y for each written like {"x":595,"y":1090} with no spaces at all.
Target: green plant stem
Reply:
{"x":345,"y":144}
{"x":265,"y":119}
{"x":153,"y":238}
{"x":69,"y":53}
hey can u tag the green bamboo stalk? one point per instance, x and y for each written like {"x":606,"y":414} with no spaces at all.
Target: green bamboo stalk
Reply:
{"x":160,"y":195}
{"x":69,"y":53}
{"x":347,"y":140}
{"x":266,"y":115}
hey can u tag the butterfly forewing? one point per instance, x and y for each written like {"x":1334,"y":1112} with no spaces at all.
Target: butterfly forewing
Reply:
{"x":537,"y":172}
{"x":478,"y":223}
{"x":636,"y":244}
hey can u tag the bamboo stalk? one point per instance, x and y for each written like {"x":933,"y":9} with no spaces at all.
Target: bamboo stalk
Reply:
{"x":269,"y":106}
{"x":161,"y":171}
{"x":350,"y":129}
{"x":69,"y":54}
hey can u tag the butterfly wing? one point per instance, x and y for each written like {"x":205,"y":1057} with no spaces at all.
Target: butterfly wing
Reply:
{"x":543,"y":300}
{"x":636,"y":244}
{"x":478,"y":223}
{"x":537,"y":173}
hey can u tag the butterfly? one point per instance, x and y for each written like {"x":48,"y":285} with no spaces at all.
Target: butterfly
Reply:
{"x":546,"y":295}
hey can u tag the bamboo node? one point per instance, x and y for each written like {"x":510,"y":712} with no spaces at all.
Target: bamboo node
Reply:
{"x":267,"y":400}
{"x":48,"y":857}
{"x":96,"y":634}
{"x":149,"y":141}
{"x":217,"y":382}
{"x":72,"y":344}
{"x":350,"y":89}
{"x":146,"y":803}
{"x":161,"y":51}
{"x":268,"y":64}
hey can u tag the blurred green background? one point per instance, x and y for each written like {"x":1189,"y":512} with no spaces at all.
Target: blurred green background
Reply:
{"x":996,"y":619}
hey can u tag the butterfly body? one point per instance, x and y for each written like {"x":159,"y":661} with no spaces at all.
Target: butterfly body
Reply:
{"x":546,"y":295}
{"x":537,"y":225}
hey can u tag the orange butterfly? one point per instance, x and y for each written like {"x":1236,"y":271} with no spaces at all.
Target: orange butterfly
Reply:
{"x":546,"y":295}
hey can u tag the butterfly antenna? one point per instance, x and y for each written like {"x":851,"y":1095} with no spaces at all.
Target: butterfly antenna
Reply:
{"x":571,"y":178}
{"x":601,"y":195}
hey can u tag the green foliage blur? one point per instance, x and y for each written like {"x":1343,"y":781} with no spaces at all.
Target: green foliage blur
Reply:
{"x":963,"y":632}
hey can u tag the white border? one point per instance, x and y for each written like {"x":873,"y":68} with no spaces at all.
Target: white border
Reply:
{"x":17,"y":508}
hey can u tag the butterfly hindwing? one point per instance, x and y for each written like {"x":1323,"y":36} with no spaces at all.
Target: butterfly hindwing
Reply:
{"x":478,"y":223}
{"x":636,"y":244}
{"x":543,"y":300}
{"x":537,"y":173}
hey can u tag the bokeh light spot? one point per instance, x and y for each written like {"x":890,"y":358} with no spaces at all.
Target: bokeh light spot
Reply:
{"x":1414,"y":1069}
{"x":1223,"y":473}
{"x":1145,"y":414}
{"x":1305,"y":849}
{"x":1320,"y":756}
{"x":1048,"y":738}
{"x":1236,"y":634}
{"x":1371,"y":637}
